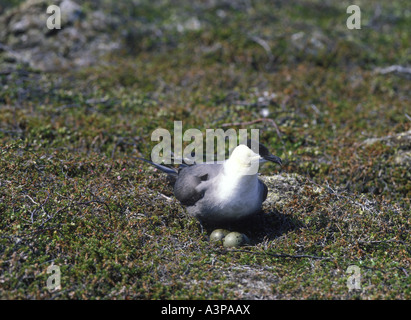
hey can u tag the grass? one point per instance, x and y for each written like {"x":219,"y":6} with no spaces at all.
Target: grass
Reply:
{"x":72,"y":193}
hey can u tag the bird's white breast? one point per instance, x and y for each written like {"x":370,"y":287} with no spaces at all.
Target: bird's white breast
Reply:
{"x":238,"y":195}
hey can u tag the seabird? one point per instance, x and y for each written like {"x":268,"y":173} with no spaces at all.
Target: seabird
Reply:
{"x":222,"y":193}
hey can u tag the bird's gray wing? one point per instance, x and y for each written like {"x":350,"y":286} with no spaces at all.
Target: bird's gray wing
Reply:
{"x":264,"y":190}
{"x":189,"y":178}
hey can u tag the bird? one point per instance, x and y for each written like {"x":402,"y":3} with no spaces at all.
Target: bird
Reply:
{"x":220,"y":193}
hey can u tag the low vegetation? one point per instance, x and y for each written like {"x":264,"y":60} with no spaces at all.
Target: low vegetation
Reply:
{"x":72,"y":193}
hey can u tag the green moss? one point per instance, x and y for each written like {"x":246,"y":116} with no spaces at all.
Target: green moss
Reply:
{"x":73,"y":194}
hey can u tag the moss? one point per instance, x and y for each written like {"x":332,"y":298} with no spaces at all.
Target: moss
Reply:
{"x":72,"y":193}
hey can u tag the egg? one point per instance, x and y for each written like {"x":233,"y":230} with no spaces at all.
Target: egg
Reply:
{"x":235,"y":239}
{"x":218,"y":234}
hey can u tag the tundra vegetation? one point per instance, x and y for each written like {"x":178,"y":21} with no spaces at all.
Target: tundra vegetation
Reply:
{"x":79,"y":104}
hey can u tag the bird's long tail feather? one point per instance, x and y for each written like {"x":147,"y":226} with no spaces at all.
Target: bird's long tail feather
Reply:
{"x":165,"y":169}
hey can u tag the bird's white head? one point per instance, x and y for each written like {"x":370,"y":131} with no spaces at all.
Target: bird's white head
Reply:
{"x":243,"y":161}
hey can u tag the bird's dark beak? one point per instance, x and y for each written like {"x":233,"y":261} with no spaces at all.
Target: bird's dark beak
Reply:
{"x":263,"y":152}
{"x":273,"y":158}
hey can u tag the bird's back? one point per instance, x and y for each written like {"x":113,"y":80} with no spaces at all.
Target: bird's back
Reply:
{"x":212,"y":196}
{"x":190,"y":177}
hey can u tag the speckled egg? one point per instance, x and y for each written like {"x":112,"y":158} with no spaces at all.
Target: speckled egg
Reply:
{"x":218,"y":234}
{"x":235,"y":239}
